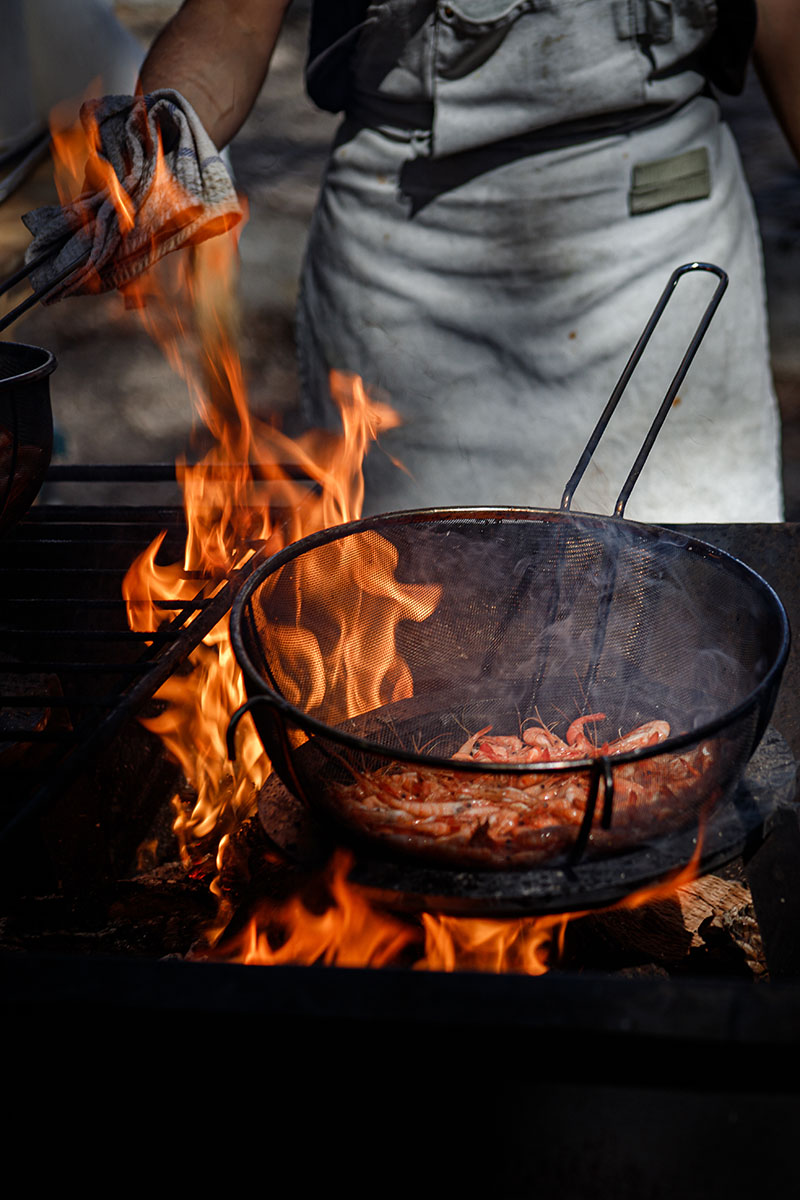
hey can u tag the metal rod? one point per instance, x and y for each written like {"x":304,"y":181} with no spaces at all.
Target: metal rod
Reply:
{"x":61,"y":602}
{"x":100,"y":573}
{"x":167,"y":472}
{"x":92,"y":635}
{"x":37,"y":735}
{"x":134,"y":515}
{"x":608,"y":798}
{"x":46,"y":701}
{"x":42,"y":293}
{"x":624,"y":379}
{"x":61,"y":667}
{"x":582,"y":839}
{"x":24,"y":271}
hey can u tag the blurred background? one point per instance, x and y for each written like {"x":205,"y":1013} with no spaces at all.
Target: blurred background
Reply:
{"x":114,"y":397}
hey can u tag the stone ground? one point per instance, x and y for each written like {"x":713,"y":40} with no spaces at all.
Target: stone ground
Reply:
{"x":115,"y":399}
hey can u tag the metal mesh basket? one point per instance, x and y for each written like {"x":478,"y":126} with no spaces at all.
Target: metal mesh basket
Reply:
{"x":26,"y":427}
{"x":537,"y":618}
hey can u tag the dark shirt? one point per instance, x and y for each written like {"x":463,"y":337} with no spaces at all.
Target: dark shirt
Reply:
{"x":336,"y":26}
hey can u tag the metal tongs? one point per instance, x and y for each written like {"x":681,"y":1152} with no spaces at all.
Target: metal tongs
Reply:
{"x":46,"y":255}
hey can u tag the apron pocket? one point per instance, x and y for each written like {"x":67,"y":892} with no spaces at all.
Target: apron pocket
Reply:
{"x":667,"y":181}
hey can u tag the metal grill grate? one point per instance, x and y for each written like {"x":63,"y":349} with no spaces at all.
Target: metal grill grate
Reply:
{"x":72,"y":673}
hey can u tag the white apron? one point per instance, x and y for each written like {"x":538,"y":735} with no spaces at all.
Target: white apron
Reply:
{"x":494,"y":298}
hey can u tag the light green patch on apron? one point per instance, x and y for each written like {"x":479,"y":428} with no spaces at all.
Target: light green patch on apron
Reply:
{"x":669,"y":181}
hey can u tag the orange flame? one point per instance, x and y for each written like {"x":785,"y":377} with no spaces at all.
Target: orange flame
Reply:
{"x":524,"y":944}
{"x":79,"y":167}
{"x":81,"y":172}
{"x":348,"y":932}
{"x":351,"y":932}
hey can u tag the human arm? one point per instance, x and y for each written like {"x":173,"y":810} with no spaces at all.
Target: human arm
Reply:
{"x":216,"y":53}
{"x":199,"y":81}
{"x":777,"y":54}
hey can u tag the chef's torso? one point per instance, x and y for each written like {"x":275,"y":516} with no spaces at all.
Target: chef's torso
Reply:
{"x":495,"y":69}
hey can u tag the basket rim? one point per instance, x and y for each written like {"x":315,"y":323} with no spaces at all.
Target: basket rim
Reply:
{"x":260,"y":690}
{"x":39,"y":370}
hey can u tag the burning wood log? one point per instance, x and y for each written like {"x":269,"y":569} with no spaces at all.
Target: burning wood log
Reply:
{"x":708,"y":921}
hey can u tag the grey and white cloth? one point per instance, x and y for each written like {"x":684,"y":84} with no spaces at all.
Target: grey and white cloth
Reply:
{"x":487,"y":249}
{"x":179,"y":195}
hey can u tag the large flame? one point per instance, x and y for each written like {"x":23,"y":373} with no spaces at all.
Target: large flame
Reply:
{"x":348,"y":931}
{"x":297,"y":487}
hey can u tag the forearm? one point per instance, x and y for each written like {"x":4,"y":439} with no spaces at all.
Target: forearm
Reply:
{"x":216,"y":53}
{"x":777,"y":54}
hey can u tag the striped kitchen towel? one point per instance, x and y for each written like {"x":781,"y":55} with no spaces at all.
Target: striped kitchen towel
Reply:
{"x":187,"y":198}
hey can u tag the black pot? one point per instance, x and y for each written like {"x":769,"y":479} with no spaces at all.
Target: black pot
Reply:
{"x":26,"y":427}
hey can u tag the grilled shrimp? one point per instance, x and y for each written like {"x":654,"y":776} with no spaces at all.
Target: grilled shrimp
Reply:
{"x":648,"y":734}
{"x":503,"y":817}
{"x":576,"y":735}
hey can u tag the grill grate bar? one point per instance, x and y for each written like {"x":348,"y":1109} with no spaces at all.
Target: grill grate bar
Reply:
{"x":67,"y":666}
{"x":47,"y":736}
{"x":54,"y":516}
{"x":111,"y":605}
{"x":99,"y":575}
{"x":92,"y":635}
{"x":166,"y":472}
{"x":44,"y":700}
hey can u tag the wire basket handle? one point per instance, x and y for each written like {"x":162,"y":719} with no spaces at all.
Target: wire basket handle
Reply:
{"x":672,"y":391}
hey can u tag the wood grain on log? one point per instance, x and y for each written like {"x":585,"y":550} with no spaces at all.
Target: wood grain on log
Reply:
{"x":710,"y":917}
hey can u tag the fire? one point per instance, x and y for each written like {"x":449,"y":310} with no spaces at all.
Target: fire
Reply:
{"x":344,"y":931}
{"x":254,"y":491}
{"x":349,"y":931}
{"x":227,"y":518}
{"x":333,"y":923}
{"x":526,"y":944}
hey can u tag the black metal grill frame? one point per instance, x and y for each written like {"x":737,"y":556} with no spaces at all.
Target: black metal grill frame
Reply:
{"x":62,"y":614}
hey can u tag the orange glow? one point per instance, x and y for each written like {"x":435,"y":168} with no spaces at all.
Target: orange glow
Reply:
{"x":358,"y":668}
{"x":160,"y":211}
{"x":349,"y":932}
{"x":72,"y":150}
{"x":524,"y":944}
